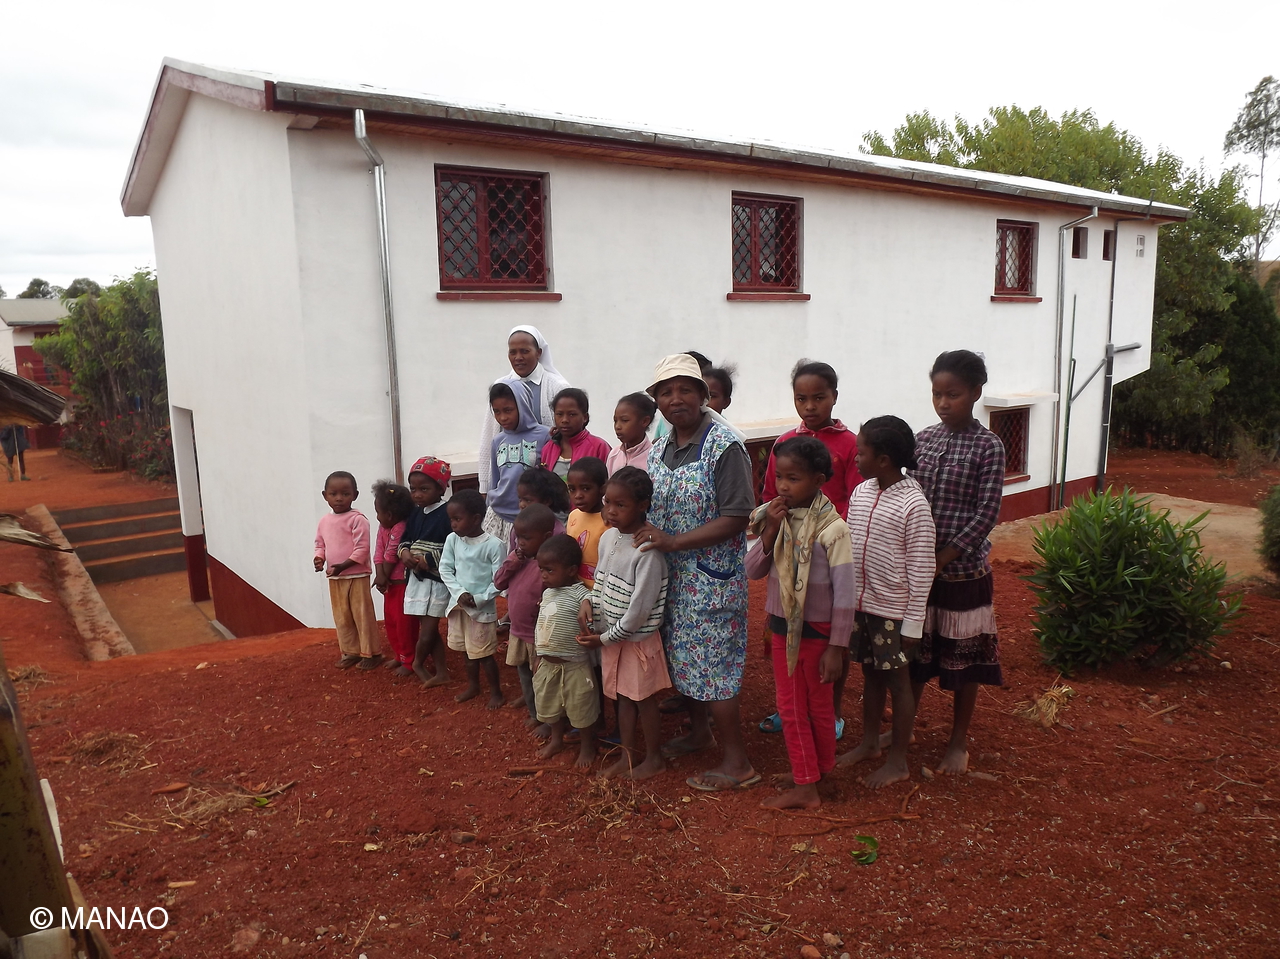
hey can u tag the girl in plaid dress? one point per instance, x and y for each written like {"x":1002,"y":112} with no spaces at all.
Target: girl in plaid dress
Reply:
{"x":962,"y":474}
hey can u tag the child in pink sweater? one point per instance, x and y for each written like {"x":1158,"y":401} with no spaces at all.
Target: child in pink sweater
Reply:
{"x":342,"y":550}
{"x":392,"y":504}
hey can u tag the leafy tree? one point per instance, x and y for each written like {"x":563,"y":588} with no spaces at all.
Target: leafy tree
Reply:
{"x":1257,"y":131}
{"x":2,"y":293}
{"x":113,"y":346}
{"x":39,"y":289}
{"x":80,"y":286}
{"x":1194,"y":271}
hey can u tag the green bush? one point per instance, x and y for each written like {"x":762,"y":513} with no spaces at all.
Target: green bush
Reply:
{"x":1120,"y":581}
{"x":1270,"y":547}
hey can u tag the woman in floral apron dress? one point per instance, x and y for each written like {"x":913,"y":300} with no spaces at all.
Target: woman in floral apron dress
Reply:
{"x":702,"y":499}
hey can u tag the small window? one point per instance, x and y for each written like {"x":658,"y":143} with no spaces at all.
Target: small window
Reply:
{"x":1141,"y":249}
{"x":1015,"y":253}
{"x":766,"y":244}
{"x":1013,"y":426}
{"x":1108,"y":244}
{"x":492,"y":230}
{"x":1080,"y":243}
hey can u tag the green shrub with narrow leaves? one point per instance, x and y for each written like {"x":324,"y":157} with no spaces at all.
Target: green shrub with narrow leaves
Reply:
{"x":1120,"y":581}
{"x":1270,"y":546}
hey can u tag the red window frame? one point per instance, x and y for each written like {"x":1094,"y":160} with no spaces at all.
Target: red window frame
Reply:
{"x":491,"y":229}
{"x":1013,"y":426}
{"x":1015,"y":257}
{"x":765,"y":239}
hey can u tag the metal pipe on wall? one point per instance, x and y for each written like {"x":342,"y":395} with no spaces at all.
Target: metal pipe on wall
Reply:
{"x":384,"y":262}
{"x":1057,"y":349}
{"x":1108,"y":380}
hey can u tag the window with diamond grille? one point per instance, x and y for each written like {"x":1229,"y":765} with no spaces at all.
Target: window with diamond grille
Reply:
{"x":1015,"y":256}
{"x":1012,"y":426}
{"x":766,"y":244}
{"x":492,"y":230}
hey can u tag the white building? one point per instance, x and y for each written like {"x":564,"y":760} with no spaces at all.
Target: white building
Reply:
{"x":620,"y":244}
{"x":22,"y":322}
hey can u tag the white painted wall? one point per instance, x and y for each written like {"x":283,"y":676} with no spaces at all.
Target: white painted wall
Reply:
{"x":268,"y":266}
{"x":8,"y":362}
{"x":235,"y":341}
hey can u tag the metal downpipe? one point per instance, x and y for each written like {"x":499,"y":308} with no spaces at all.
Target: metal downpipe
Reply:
{"x":1057,"y":351}
{"x":1108,"y":379}
{"x":388,"y":314}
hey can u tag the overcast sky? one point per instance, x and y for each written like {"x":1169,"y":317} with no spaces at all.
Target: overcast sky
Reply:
{"x":75,"y":79}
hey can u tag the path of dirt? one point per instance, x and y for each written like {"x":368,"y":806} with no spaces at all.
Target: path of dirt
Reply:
{"x":1144,"y":825}
{"x":156,"y":612}
{"x":1229,"y":534}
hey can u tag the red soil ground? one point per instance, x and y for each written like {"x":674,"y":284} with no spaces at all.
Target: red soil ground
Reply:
{"x":1144,"y":825}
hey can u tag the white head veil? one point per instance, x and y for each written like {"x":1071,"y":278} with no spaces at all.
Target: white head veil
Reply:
{"x":547,"y":363}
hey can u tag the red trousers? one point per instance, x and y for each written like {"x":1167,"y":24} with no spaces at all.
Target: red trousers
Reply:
{"x":807,"y":709}
{"x":402,"y":630}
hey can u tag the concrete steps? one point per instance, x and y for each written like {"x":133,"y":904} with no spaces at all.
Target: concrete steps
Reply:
{"x":126,"y":540}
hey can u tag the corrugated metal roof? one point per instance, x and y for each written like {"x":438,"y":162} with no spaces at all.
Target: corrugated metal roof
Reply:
{"x":32,"y":312}
{"x":263,"y":91}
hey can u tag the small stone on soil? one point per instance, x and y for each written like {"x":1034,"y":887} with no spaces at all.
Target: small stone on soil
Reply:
{"x":1199,"y":808}
{"x":832,"y":940}
{"x":810,"y":952}
{"x":926,"y":773}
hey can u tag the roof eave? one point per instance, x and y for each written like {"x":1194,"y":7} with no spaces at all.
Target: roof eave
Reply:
{"x":174,"y":85}
{"x":178,"y":80}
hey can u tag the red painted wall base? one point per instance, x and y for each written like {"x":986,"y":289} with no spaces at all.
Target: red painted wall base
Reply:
{"x":242,"y":609}
{"x":197,"y":568}
{"x":1033,"y":502}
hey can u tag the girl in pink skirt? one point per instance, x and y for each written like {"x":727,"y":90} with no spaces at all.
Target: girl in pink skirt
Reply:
{"x":622,"y":616}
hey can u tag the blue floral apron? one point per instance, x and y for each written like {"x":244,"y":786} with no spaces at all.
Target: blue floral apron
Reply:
{"x":705,"y":630}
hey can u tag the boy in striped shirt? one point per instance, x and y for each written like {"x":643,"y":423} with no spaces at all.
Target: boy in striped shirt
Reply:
{"x":892,"y":530}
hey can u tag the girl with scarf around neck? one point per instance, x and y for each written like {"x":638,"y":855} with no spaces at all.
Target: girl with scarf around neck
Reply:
{"x":803,"y":547}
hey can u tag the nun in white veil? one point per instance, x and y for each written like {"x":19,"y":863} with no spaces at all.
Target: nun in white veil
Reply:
{"x":533,"y":379}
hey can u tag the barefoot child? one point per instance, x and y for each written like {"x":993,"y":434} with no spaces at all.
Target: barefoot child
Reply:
{"x":425,"y":596}
{"x":570,"y":440}
{"x":470,"y":559}
{"x":892,"y":531}
{"x":632,"y":418}
{"x":393,"y":504}
{"x":564,"y":685}
{"x":814,"y":392}
{"x":803,"y":548}
{"x":585,"y":483}
{"x":962,"y":475}
{"x":520,"y":576}
{"x":622,"y":618}
{"x":342,"y":548}
{"x":515,"y":448}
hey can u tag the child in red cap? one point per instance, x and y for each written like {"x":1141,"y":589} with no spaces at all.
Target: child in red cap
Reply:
{"x":426,"y":597}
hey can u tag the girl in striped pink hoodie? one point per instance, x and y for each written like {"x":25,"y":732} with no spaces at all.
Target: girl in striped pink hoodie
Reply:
{"x":891,"y":525}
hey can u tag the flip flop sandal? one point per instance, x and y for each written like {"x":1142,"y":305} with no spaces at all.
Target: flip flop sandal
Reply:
{"x":723,"y":782}
{"x":839,"y":729}
{"x":773,"y":724}
{"x":346,"y":662}
{"x":672,"y":751}
{"x":370,"y":662}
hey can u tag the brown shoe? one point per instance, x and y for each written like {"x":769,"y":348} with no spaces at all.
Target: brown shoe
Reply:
{"x":346,"y":662}
{"x":370,"y":662}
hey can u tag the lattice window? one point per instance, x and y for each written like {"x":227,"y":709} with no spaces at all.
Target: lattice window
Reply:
{"x":766,"y":244}
{"x":1013,"y":427}
{"x":492,"y":230}
{"x":1015,"y":257}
